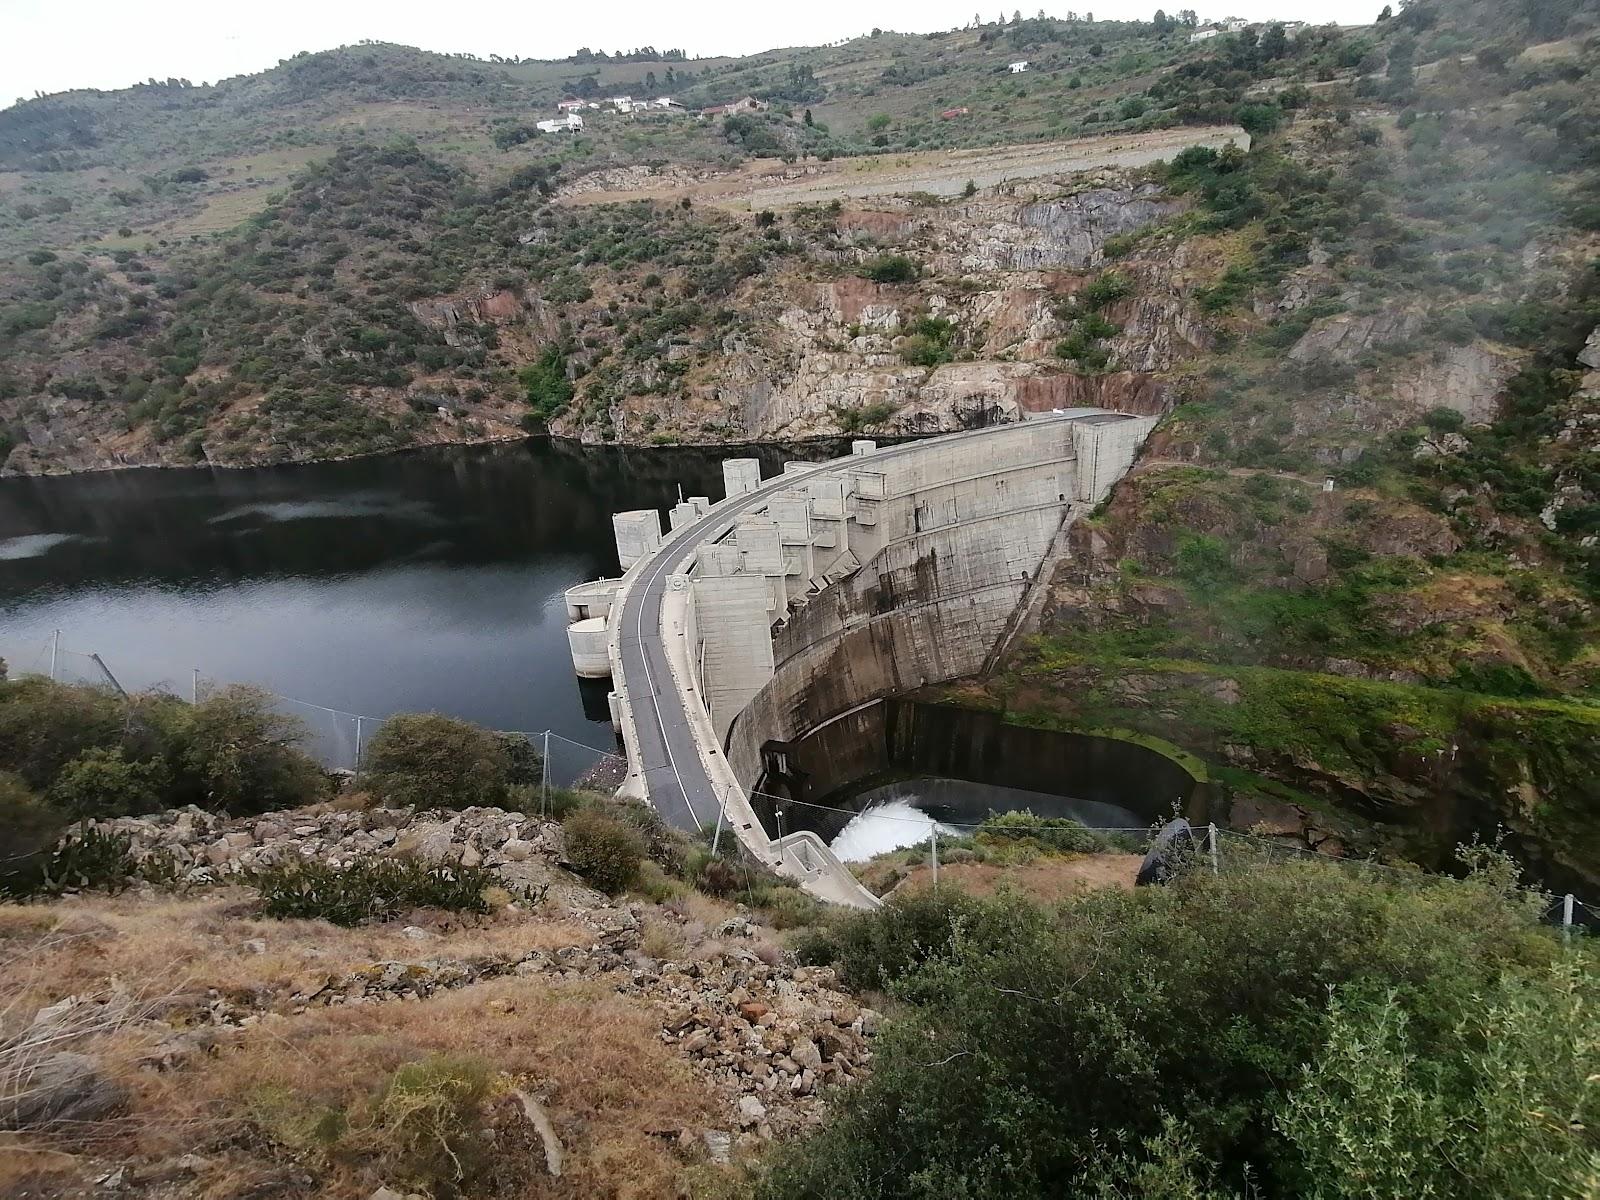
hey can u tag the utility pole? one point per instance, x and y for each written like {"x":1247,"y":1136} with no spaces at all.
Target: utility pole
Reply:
{"x":55,"y":650}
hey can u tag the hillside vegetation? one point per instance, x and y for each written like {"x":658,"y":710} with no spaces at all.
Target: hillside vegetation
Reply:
{"x":364,"y":248}
{"x":1383,"y":275}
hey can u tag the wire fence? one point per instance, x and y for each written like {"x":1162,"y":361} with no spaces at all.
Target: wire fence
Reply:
{"x":337,"y":739}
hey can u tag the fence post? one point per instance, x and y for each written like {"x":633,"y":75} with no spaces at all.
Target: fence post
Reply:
{"x":1211,"y":844}
{"x":55,"y":649}
{"x":1566,"y":915}
{"x":194,"y":687}
{"x":933,"y":841}
{"x":544,"y":778}
{"x":358,"y":749}
{"x":716,"y":838}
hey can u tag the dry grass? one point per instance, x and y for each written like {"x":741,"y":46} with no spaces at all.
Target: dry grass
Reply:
{"x":159,"y":945}
{"x":614,"y":1094}
{"x":1049,"y":879}
{"x":317,"y":1091}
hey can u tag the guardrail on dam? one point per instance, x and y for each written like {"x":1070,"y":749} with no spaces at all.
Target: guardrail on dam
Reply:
{"x":797,"y":599}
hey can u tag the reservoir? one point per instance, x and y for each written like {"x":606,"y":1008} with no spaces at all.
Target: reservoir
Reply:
{"x":425,"y":581}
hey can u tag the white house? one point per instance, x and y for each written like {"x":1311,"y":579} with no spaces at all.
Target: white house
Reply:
{"x":1017,"y":68}
{"x":571,"y":106}
{"x":1235,"y":24}
{"x":1203,"y":34}
{"x":570,"y":123}
{"x":624,"y":104}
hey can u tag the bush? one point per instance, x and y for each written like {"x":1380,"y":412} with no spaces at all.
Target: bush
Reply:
{"x":102,"y":783}
{"x":603,"y":850}
{"x":31,"y":828}
{"x":434,"y":761}
{"x":1075,"y":1032}
{"x":1105,"y":289}
{"x":890,"y":268}
{"x":45,"y":725}
{"x":236,"y":754}
{"x":1044,"y":835}
{"x":369,"y":889}
{"x":424,"y":1128}
{"x":90,"y":858}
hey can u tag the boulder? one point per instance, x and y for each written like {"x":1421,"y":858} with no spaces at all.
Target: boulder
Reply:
{"x":64,"y":1086}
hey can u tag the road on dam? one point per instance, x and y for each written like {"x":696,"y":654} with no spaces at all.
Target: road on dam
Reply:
{"x":675,"y":778}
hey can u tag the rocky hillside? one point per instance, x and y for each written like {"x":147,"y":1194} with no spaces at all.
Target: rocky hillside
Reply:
{"x":355,"y":295}
{"x":195,"y":1045}
{"x":1357,"y":570}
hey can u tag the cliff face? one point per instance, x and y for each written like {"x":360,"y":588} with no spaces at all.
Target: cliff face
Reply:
{"x":823,"y":350}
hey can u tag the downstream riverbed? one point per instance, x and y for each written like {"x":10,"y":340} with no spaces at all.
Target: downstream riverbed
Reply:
{"x":429,"y":580}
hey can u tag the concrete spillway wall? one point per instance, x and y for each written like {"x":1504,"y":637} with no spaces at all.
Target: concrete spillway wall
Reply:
{"x":905,"y":736}
{"x":948,"y":554}
{"x":795,"y":600}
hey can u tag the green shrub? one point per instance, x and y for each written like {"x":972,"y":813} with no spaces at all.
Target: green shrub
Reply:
{"x":1046,"y":835}
{"x":1077,"y":1032}
{"x":430,"y":1121}
{"x":368,"y":889}
{"x":1103,"y":290}
{"x":90,"y":858}
{"x":30,"y":828}
{"x":434,"y":761}
{"x":605,"y":851}
{"x":890,"y":268}
{"x":45,"y":725}
{"x":237,"y":754}
{"x":789,"y":908}
{"x":424,"y":1128}
{"x":101,"y":782}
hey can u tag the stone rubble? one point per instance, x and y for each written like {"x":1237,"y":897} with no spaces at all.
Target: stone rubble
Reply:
{"x":770,"y":1038}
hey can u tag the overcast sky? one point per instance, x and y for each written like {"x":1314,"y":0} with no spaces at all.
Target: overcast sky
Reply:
{"x":54,"y":45}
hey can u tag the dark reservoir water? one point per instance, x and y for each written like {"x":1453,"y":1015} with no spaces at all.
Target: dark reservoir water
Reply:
{"x":430,"y":580}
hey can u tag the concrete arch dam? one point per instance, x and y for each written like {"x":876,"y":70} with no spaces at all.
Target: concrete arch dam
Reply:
{"x":797,"y":599}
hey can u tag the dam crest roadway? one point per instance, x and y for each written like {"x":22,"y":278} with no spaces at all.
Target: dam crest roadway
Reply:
{"x":799,"y":600}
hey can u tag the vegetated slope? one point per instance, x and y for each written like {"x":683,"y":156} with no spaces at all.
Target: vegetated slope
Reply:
{"x":1409,"y":309}
{"x":138,"y":247}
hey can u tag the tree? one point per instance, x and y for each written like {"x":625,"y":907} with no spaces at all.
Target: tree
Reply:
{"x":1258,"y":119}
{"x":810,"y":122}
{"x":1275,"y":42}
{"x":101,"y":782}
{"x":433,"y":761}
{"x":1385,"y":13}
{"x":650,"y":83}
{"x":236,"y":753}
{"x":546,"y":384}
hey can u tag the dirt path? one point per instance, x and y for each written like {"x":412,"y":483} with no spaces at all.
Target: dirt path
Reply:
{"x":768,"y":184}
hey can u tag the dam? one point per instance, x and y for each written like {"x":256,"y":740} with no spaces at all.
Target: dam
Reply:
{"x":802,"y":601}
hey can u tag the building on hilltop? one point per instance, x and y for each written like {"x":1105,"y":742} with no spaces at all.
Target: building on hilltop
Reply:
{"x":570,"y":123}
{"x":571,"y":106}
{"x":950,"y":114}
{"x":748,"y":105}
{"x":1202,"y":34}
{"x":1018,"y":67}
